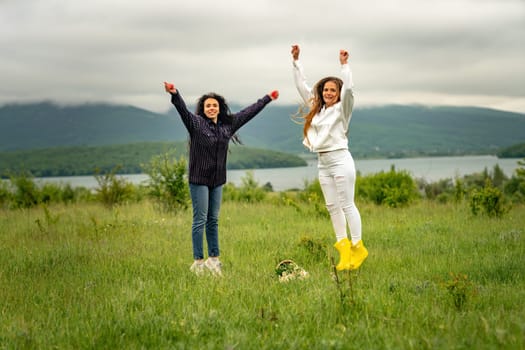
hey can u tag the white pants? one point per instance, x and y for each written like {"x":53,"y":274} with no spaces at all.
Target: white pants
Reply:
{"x":337,"y":178}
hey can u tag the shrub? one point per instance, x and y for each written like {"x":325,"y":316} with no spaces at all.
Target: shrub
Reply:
{"x":60,"y":193}
{"x":23,"y":192}
{"x":312,"y":192}
{"x":515,"y":186}
{"x":436,"y":190}
{"x":5,"y":194}
{"x":249,"y":191}
{"x":26,"y":193}
{"x":112,"y":190}
{"x":394,"y":189}
{"x":167,"y":181}
{"x":461,"y":289}
{"x":488,"y":200}
{"x":520,"y":172}
{"x":459,"y":190}
{"x":444,"y":190}
{"x":51,"y":193}
{"x":476,"y":180}
{"x":498,"y":176}
{"x":67,"y":194}
{"x":289,"y":200}
{"x":313,"y":195}
{"x":515,"y":189}
{"x":81,"y":194}
{"x":315,"y":248}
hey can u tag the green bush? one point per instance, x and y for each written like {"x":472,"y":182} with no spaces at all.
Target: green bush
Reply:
{"x":488,"y":200}
{"x":249,"y":191}
{"x":392,"y":188}
{"x":313,"y":195}
{"x":312,"y":191}
{"x":444,"y":190}
{"x":51,"y":192}
{"x":515,"y":189}
{"x":67,"y":194}
{"x":111,"y":189}
{"x":23,"y":192}
{"x":439,"y":189}
{"x":316,"y":249}
{"x":459,"y":190}
{"x":167,"y":181}
{"x":82,"y":194}
{"x":515,"y":186}
{"x":498,"y":176}
{"x":5,"y":194}
{"x":476,"y":180}
{"x":26,"y":193}
{"x":520,"y":172}
{"x":461,"y":289}
{"x":289,"y":200}
{"x":64,"y":193}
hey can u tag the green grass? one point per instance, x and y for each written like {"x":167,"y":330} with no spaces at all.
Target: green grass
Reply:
{"x":82,"y":276}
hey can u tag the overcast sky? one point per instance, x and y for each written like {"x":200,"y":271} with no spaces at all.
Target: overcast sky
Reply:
{"x":452,"y":52}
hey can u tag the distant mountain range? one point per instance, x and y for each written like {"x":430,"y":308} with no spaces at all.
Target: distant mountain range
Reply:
{"x":386,"y":131}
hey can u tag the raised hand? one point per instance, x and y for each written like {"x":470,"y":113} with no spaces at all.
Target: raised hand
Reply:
{"x":343,"y":56}
{"x":170,"y":88}
{"x":295,"y":52}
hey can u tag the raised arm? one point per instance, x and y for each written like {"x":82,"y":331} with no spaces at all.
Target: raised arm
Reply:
{"x":299,"y":78}
{"x":246,"y":114}
{"x":346,"y":73}
{"x":187,"y":117}
{"x":347,"y":95}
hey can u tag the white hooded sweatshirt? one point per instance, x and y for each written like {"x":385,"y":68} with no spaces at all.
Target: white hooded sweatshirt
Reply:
{"x":329,"y":128}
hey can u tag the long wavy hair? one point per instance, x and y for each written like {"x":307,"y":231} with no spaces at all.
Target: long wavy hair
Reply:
{"x":225,"y":115}
{"x":317,"y":102}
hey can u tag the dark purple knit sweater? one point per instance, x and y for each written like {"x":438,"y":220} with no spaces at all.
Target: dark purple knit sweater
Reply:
{"x":209,"y":141}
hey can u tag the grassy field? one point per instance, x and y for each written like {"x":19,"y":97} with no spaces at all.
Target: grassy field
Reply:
{"x":86,"y":277}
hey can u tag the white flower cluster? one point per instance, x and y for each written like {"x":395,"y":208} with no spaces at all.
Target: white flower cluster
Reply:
{"x":291,"y":275}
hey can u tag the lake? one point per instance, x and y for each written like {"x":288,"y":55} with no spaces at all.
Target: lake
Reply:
{"x":431,"y":169}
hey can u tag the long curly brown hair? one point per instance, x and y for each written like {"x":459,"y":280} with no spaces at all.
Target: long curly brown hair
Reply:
{"x":316,"y":102}
{"x":225,"y":114}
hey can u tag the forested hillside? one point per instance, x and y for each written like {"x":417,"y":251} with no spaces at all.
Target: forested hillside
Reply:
{"x":387,"y":131}
{"x":126,"y":159}
{"x":514,"y":151}
{"x":44,"y":125}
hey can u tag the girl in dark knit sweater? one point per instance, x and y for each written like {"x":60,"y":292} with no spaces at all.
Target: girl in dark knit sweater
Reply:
{"x":210,"y":128}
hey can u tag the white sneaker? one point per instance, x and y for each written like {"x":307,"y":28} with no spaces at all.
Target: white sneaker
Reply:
{"x":214,"y":265}
{"x":197,"y":267}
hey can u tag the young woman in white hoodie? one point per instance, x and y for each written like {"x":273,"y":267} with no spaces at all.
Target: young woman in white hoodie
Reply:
{"x":330,"y":104}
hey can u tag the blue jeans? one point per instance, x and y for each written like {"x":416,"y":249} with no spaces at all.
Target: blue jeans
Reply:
{"x":206,"y":204}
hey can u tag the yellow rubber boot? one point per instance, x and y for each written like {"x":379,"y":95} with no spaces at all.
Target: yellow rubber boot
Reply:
{"x":344,"y":247}
{"x":358,"y":255}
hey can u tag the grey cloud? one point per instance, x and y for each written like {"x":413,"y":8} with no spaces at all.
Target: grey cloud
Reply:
{"x":120,"y":51}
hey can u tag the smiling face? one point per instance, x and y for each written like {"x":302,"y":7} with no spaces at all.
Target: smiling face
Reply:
{"x":330,"y":93}
{"x":211,"y":109}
